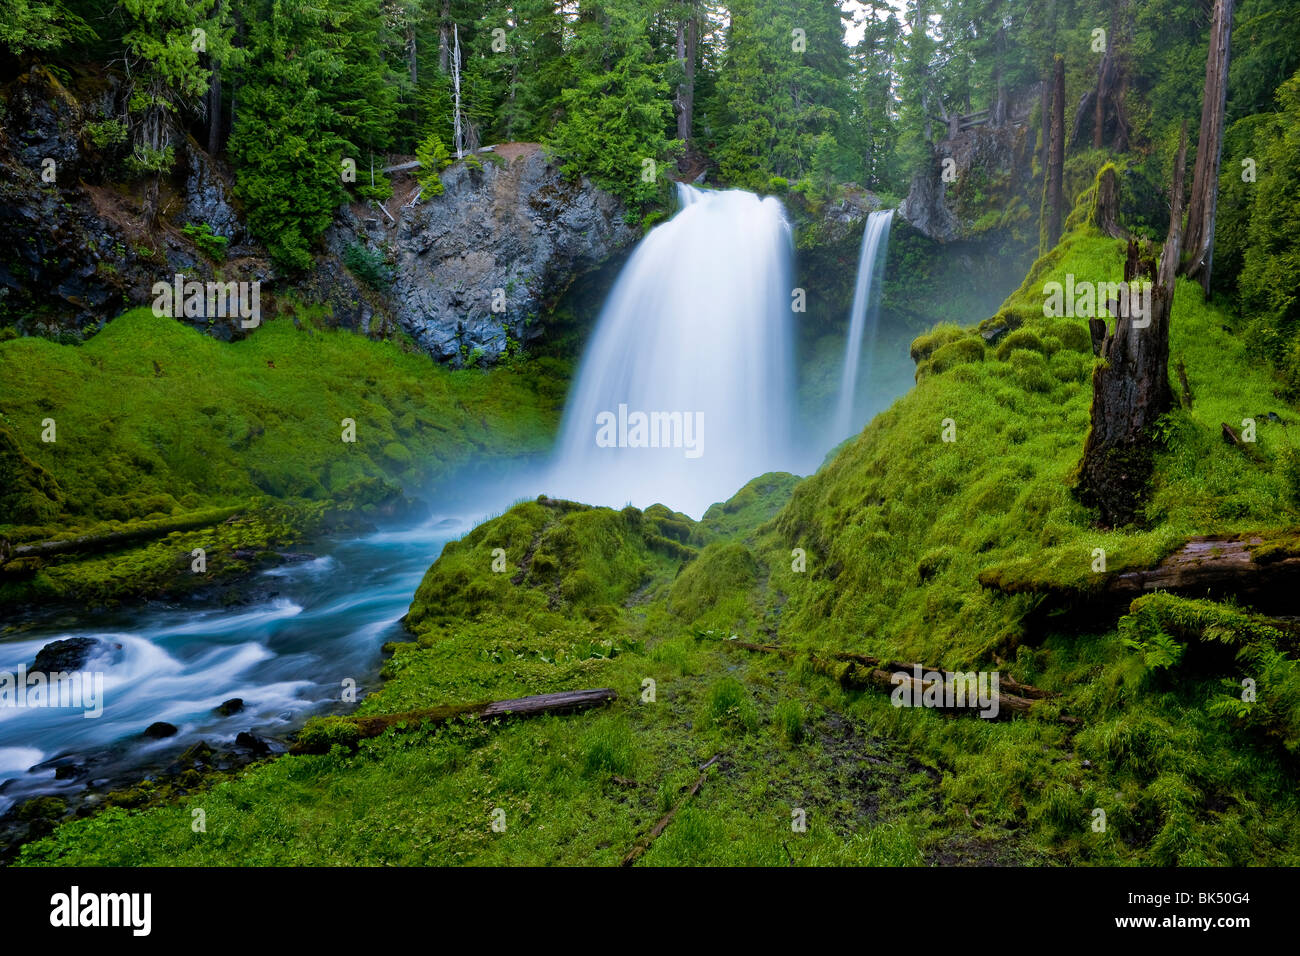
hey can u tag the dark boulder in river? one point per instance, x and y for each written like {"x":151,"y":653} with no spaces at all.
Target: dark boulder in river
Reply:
{"x":65,"y":655}
{"x":160,"y":729}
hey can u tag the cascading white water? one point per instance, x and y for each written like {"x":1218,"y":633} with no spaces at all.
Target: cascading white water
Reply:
{"x":864,"y":317}
{"x":686,"y":390}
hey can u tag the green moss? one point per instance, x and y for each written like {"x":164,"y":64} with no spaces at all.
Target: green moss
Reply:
{"x":718,"y":581}
{"x":926,"y":345}
{"x":149,"y":407}
{"x":959,"y":352}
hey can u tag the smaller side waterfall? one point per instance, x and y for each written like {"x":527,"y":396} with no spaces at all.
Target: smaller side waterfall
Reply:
{"x":865,"y":316}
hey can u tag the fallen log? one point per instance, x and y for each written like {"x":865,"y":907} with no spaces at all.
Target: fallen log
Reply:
{"x":108,"y":540}
{"x":562,"y":702}
{"x":402,"y":167}
{"x":1232,"y":438}
{"x":880,"y":673}
{"x":1260,"y":571}
{"x":858,"y":676}
{"x":1241,"y":565}
{"x":1013,"y":685}
{"x":643,"y":844}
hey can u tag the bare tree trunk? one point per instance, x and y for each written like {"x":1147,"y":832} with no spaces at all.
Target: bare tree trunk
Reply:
{"x":685,"y":100}
{"x":1105,"y":214}
{"x":1000,"y":104}
{"x":214,"y":111}
{"x":1056,"y":159}
{"x":412,"y":70}
{"x":444,"y":38}
{"x":1131,"y":390}
{"x":1045,"y":122}
{"x":213,"y":105}
{"x":1209,"y":149}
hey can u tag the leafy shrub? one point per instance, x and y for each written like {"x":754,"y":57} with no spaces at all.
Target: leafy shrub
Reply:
{"x":211,"y":244}
{"x":434,"y":158}
{"x":369,"y":265}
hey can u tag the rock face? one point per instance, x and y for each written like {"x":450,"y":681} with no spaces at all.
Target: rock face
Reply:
{"x":75,"y":250}
{"x":482,"y":263}
{"x":468,"y":271}
{"x":209,"y":196}
{"x":991,"y":167}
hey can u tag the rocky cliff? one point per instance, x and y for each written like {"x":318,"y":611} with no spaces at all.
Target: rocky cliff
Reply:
{"x":465,"y":273}
{"x":482,"y":265}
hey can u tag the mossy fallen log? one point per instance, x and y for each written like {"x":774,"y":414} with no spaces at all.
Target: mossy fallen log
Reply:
{"x":110,"y":540}
{"x":1247,"y":566}
{"x":862,"y":670}
{"x":1261,"y":570}
{"x":321,"y":733}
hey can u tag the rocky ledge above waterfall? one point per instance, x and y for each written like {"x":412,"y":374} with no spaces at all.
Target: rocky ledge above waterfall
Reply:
{"x":482,"y":265}
{"x":464,"y":273}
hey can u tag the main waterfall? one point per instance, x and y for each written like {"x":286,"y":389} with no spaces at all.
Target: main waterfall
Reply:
{"x":686,"y":390}
{"x":864,"y":317}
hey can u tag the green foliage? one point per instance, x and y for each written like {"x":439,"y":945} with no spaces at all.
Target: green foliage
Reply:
{"x":784,"y":110}
{"x":434,"y":158}
{"x":209,"y":242}
{"x":106,"y":134}
{"x":35,"y":25}
{"x":1269,"y":283}
{"x":316,"y":77}
{"x":730,"y":707}
{"x":369,"y":265}
{"x":615,"y":112}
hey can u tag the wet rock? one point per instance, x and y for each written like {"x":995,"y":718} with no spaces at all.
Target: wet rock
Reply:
{"x":65,"y":655}
{"x":208,"y":196}
{"x":199,"y":753}
{"x":257,"y":744}
{"x":160,"y":729}
{"x":998,"y":158}
{"x":514,"y":234}
{"x":230,"y":707}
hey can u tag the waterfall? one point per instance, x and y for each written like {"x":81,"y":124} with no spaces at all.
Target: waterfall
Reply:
{"x":865,"y":316}
{"x":687,"y":387}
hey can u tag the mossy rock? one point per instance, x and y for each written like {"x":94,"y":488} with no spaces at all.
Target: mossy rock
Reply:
{"x":963,"y":351}
{"x":1023,"y":338}
{"x":1031,"y":370}
{"x":923,"y":346}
